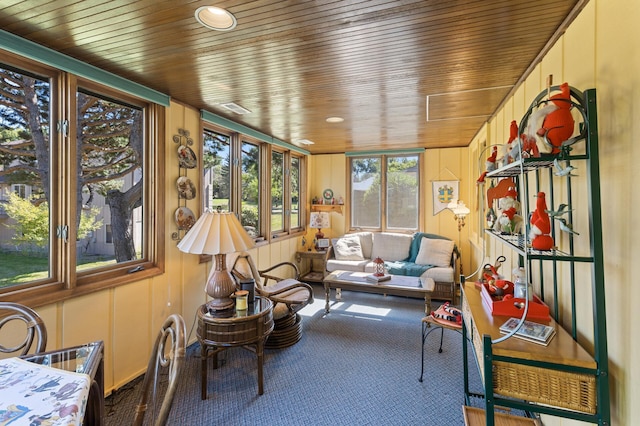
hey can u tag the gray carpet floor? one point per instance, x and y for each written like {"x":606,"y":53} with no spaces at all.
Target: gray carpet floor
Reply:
{"x":358,"y":365}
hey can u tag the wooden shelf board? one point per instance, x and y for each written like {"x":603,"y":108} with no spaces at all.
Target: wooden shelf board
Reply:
{"x":326,"y":208}
{"x":476,"y":417}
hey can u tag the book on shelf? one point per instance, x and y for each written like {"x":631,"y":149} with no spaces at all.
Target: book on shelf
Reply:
{"x":378,"y":278}
{"x":529,"y":331}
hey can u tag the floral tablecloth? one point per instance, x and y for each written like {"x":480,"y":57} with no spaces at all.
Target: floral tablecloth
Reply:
{"x":34,"y":394}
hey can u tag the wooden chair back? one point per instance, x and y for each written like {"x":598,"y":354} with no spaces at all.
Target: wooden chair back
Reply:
{"x":167,"y":357}
{"x":244,"y":267}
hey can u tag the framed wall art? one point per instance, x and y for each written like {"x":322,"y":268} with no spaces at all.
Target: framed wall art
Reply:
{"x":444,"y":192}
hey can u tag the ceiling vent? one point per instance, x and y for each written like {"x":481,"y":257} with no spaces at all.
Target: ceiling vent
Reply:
{"x":233,"y":107}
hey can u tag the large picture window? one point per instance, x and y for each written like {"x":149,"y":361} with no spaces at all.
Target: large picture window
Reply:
{"x":83,"y":159}
{"x":385,"y":192}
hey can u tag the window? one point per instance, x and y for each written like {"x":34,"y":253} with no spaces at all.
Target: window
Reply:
{"x":242,"y":175}
{"x":21,"y":190}
{"x":25,"y":129}
{"x":296,"y":221}
{"x":80,"y":163}
{"x":385,"y":192}
{"x":277,"y":191}
{"x":250,"y":188}
{"x":217,"y":171}
{"x":110,"y":173}
{"x":285,"y":192}
{"x":365,"y":193}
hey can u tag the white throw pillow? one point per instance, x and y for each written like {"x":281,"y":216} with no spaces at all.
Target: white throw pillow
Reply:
{"x":348,"y":248}
{"x":435,"y":252}
{"x":391,"y":246}
{"x":366,"y":242}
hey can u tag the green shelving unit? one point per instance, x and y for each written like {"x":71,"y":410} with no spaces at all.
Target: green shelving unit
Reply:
{"x":533,"y":175}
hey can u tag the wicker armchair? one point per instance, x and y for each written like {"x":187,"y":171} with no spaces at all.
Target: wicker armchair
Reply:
{"x":288,"y":295}
{"x":35,"y":328}
{"x":169,"y":358}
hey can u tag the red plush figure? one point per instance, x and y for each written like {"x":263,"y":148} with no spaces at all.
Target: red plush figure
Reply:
{"x":490,"y":164}
{"x":557,"y":126}
{"x":541,"y":226}
{"x":529,"y":147}
{"x":557,"y":123}
{"x":491,"y":275}
{"x":513,"y":134}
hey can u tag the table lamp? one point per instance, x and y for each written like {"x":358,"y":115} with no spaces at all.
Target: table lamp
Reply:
{"x":217,"y":234}
{"x":319,"y":220}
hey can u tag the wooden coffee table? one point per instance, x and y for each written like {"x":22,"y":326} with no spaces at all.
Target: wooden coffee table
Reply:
{"x":398,"y":285}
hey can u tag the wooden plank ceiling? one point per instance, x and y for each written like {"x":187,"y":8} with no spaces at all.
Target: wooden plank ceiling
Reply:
{"x":402,"y":74}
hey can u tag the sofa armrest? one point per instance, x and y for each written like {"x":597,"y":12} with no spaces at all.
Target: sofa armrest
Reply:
{"x":331,"y":254}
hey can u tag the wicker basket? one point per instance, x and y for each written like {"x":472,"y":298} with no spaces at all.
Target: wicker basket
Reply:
{"x":558,"y":388}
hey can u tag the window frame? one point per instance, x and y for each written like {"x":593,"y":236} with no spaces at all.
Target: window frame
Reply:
{"x":64,"y":281}
{"x":265,"y":149}
{"x":383,"y":159}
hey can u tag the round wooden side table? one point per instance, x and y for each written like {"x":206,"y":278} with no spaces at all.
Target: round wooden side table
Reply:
{"x":246,"y":328}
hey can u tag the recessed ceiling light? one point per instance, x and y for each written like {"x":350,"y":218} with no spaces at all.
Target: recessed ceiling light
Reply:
{"x":216,"y":18}
{"x":234,"y":107}
{"x":335,"y":119}
{"x":304,"y":142}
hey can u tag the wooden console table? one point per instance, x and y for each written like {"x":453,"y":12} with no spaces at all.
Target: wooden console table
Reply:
{"x":561,"y":374}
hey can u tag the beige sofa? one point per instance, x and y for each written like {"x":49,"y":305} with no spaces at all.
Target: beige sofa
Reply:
{"x":421,"y":255}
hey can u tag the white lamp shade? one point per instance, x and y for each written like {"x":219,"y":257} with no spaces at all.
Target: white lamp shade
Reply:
{"x":319,"y":220}
{"x":216,"y":233}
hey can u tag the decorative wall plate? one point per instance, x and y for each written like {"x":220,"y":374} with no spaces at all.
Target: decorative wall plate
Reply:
{"x":327,"y":194}
{"x":186,"y":188}
{"x":184,"y":218}
{"x":186,"y":157}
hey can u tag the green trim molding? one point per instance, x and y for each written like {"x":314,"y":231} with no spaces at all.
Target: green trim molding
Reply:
{"x":50,"y":57}
{"x":241,"y":128}
{"x":383,"y":152}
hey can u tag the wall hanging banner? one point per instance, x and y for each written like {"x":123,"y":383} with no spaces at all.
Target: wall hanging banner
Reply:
{"x":444,"y":192}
